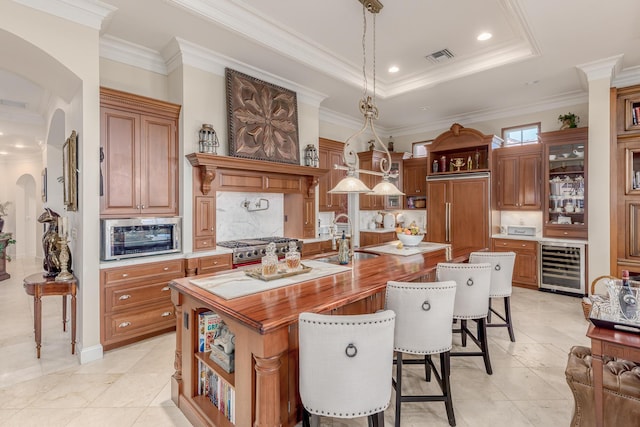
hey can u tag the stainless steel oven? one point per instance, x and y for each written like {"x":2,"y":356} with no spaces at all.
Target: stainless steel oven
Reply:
{"x":137,"y":237}
{"x":562,"y":267}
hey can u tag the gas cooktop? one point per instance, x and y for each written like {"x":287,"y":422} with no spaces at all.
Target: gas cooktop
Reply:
{"x":247,"y":251}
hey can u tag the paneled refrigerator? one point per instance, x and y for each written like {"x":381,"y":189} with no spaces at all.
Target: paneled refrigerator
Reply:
{"x":458,"y":211}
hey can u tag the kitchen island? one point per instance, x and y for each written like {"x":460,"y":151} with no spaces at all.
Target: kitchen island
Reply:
{"x":265,"y":382}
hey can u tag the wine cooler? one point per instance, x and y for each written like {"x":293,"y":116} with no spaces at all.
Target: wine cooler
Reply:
{"x":562,"y":267}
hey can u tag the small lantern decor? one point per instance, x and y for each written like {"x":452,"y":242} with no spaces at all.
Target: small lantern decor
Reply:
{"x":311,"y":156}
{"x":208,"y":140}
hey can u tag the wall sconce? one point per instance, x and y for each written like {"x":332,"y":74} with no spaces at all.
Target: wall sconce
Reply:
{"x":208,"y":140}
{"x":311,"y":156}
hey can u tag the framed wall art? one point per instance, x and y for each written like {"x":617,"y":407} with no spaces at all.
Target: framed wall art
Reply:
{"x":262,"y":119}
{"x":70,"y":172}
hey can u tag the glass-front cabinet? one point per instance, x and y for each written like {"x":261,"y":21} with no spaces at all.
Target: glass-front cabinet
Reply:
{"x":565,"y":160}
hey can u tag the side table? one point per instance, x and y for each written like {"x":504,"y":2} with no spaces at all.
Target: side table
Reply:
{"x":39,"y":286}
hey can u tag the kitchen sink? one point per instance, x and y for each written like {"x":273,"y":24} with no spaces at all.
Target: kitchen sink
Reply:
{"x":356,"y":256}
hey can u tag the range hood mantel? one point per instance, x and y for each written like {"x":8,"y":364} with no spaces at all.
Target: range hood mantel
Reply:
{"x":209,"y":163}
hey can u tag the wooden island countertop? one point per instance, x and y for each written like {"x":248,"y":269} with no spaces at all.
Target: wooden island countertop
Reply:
{"x":265,"y":380}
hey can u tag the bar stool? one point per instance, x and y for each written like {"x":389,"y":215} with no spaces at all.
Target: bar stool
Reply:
{"x":472,"y":303}
{"x":346,"y":365}
{"x":502,"y":264}
{"x":424,"y":313}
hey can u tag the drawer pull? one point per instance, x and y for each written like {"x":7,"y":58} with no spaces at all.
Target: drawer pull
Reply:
{"x":124,"y":297}
{"x":215,"y":262}
{"x":166,"y":314}
{"x":166,"y":268}
{"x":125,"y":274}
{"x":166,"y":288}
{"x":124,"y":324}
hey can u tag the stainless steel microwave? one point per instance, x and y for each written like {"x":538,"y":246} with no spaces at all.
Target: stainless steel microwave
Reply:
{"x":137,"y":237}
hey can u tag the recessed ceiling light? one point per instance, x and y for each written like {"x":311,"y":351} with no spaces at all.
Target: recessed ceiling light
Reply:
{"x":394,"y":69}
{"x":1,"y":133}
{"x":425,"y":108}
{"x":532,"y":82}
{"x":484,"y":36}
{"x":3,"y":153}
{"x":19,"y":146}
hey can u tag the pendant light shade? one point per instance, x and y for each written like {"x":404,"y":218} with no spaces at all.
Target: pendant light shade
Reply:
{"x":350,"y":184}
{"x":386,"y":188}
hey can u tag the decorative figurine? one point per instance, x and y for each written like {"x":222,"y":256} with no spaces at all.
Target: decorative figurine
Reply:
{"x":50,"y":243}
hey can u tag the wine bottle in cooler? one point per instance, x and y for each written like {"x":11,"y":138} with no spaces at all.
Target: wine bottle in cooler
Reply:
{"x":627,"y":299}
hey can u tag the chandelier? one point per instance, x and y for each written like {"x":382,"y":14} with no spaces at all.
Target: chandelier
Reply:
{"x":351,"y":183}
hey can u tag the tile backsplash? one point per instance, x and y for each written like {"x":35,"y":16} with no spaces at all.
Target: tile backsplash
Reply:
{"x":235,"y":221}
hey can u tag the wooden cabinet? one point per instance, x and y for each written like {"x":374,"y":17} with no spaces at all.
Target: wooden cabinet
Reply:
{"x":204,"y":224}
{"x":518,"y":177}
{"x":329,"y":154}
{"x":565,"y":179}
{"x":309,"y":217}
{"x":628,"y":111}
{"x":461,"y":150}
{"x":135,"y":302}
{"x":371,"y":160}
{"x":414,"y":183}
{"x":315,"y":248}
{"x":525,"y":271}
{"x":458,"y":213}
{"x":139,"y":150}
{"x":208,"y":264}
{"x":368,"y":238}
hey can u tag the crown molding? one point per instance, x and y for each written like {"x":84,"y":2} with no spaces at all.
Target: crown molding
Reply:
{"x":88,"y":13}
{"x":627,"y":77}
{"x":250,"y":24}
{"x":132,"y":54}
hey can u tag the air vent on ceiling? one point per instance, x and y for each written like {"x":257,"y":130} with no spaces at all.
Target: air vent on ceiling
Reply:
{"x":440,"y":56}
{"x":15,"y":104}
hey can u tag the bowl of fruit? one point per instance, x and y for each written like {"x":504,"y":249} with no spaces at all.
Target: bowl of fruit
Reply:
{"x":411,"y":236}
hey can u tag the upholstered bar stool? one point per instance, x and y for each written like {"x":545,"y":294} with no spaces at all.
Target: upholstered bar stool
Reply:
{"x":471,"y":303}
{"x":346,"y":365}
{"x":424,"y":313}
{"x":501,"y":284}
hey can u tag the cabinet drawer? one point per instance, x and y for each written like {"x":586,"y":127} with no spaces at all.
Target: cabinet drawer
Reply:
{"x":515,"y":245}
{"x":203,"y":243}
{"x":128,"y":324}
{"x":171,"y":269}
{"x":312,"y":248}
{"x":566,"y":233}
{"x":126,"y":296}
{"x":211,"y":264}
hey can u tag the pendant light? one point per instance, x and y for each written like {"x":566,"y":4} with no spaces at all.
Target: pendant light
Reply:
{"x":351,"y":184}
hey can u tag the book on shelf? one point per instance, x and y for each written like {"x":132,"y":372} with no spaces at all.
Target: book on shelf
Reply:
{"x":217,"y":390}
{"x":635,"y":112}
{"x":208,"y":325}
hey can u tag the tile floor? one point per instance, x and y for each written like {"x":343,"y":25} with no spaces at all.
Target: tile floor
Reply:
{"x":131,"y":387}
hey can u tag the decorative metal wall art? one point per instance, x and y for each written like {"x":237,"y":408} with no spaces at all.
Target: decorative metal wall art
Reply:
{"x":70,"y":172}
{"x":262,"y":120}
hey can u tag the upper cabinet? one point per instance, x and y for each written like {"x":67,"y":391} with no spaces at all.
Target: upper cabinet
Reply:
{"x":565,"y":183}
{"x":517,"y":177}
{"x":139,"y":151}
{"x":414,"y":183}
{"x":461,"y":150}
{"x":628,"y":111}
{"x":329,"y":154}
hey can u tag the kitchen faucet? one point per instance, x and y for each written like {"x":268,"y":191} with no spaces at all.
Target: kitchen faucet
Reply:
{"x":334,"y":232}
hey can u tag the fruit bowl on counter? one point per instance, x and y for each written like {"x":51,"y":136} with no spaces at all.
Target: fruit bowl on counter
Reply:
{"x":410,"y":239}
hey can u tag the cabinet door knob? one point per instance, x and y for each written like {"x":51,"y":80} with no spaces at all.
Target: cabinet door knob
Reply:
{"x":125,"y":275}
{"x":565,"y":233}
{"x":204,"y":243}
{"x":165,"y":289}
{"x":166,"y":268}
{"x":124,"y":297}
{"x":215,"y":262}
{"x":213,"y":229}
{"x":143,"y":207}
{"x":166,"y":314}
{"x":124,"y":324}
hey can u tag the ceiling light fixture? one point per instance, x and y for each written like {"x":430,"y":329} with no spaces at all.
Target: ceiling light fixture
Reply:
{"x":351,"y":184}
{"x":484,"y":36}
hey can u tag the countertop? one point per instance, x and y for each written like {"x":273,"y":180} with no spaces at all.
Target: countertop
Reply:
{"x":167,"y":257}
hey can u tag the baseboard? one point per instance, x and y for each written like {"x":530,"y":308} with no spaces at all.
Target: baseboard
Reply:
{"x":90,"y":354}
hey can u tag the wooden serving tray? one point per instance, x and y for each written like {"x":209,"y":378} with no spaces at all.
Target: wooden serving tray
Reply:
{"x":256,"y":273}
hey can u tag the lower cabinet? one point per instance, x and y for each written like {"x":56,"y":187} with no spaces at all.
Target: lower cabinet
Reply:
{"x":315,"y":248}
{"x":208,"y":264}
{"x":135,"y":302}
{"x":368,"y":238}
{"x":525,"y":271}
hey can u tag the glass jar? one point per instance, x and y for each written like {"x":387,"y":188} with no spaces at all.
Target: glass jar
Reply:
{"x":270,"y":261}
{"x":292,"y":259}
